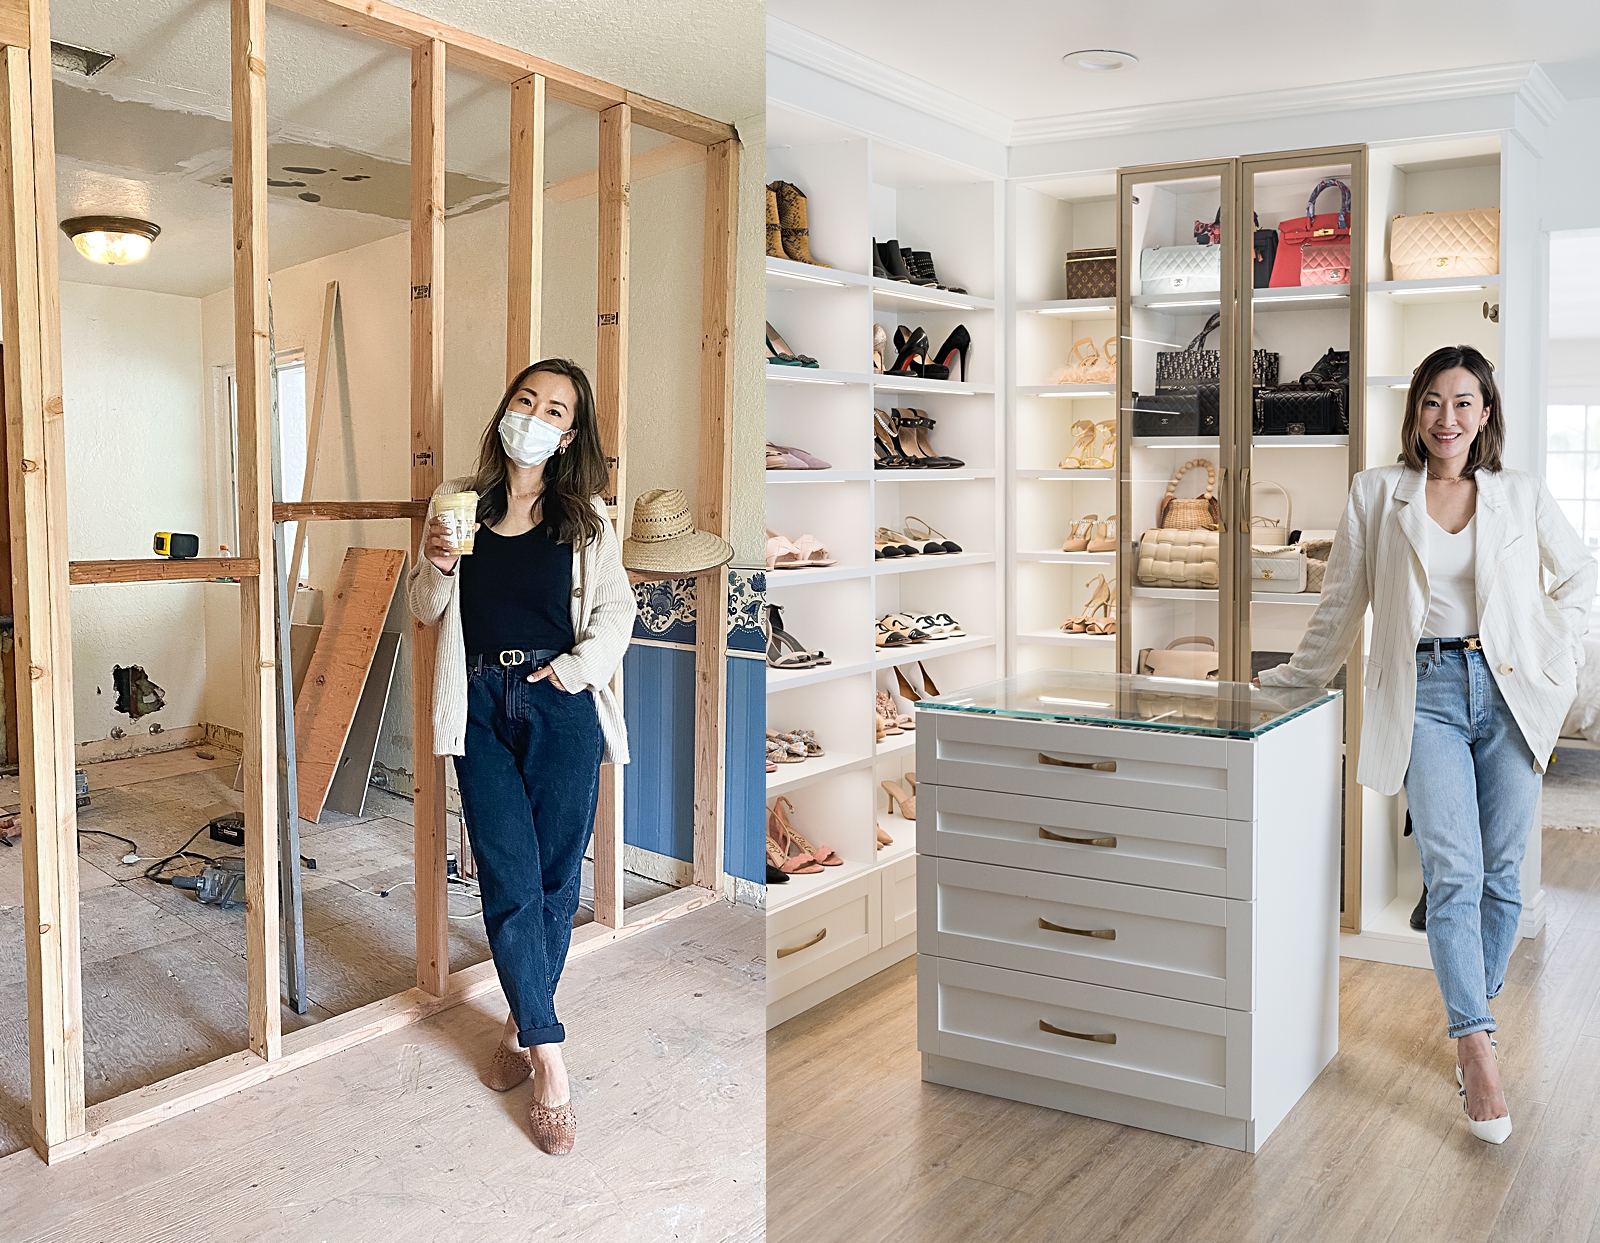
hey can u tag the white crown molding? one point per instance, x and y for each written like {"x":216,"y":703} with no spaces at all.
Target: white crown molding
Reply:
{"x":1524,"y":79}
{"x":823,"y":56}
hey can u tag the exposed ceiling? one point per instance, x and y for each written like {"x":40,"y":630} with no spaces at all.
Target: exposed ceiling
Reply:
{"x":149,"y":136}
{"x":1186,"y":51}
{"x":1574,"y":276}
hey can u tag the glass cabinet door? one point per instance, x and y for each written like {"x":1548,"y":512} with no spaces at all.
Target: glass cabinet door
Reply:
{"x":1177,"y":247}
{"x":1302,"y":275}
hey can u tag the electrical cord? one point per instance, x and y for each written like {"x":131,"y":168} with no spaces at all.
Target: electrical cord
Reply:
{"x":154,"y":871}
{"x":127,"y":841}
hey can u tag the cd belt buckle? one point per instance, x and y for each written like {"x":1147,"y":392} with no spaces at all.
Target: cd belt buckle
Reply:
{"x":513,"y":656}
{"x":1474,"y":644}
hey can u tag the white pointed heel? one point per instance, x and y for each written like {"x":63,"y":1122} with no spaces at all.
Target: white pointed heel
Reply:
{"x":1495,"y":1130}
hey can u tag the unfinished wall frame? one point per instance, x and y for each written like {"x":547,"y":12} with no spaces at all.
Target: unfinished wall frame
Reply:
{"x":35,"y":448}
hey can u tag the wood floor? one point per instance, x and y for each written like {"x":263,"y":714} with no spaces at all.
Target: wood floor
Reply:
{"x":861,"y":1150}
{"x":397,"y":1140}
{"x":164,"y":976}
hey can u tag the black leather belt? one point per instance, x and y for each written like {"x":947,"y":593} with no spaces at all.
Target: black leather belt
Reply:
{"x":512,"y":657}
{"x":1472,"y":643}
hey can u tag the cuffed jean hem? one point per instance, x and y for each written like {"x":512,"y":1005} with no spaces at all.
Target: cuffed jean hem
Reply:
{"x":1456,"y":1030}
{"x":530,"y":1036}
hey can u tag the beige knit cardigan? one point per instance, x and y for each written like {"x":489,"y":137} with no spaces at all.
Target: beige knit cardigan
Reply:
{"x":602,"y":620}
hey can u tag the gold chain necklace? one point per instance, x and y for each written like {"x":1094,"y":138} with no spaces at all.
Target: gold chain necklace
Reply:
{"x":1447,"y":478}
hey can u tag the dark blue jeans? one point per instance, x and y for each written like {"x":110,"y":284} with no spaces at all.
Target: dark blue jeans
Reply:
{"x":529,"y":782}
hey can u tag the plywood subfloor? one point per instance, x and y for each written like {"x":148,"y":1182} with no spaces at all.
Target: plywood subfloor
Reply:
{"x":164,"y":977}
{"x":1378,"y":1150}
{"x":397,"y":1140}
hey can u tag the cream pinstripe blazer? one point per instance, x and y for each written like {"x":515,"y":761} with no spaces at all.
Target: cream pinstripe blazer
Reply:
{"x":1532,"y":637}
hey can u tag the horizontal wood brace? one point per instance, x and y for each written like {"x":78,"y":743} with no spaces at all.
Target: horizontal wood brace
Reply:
{"x":346,"y":511}
{"x":161,"y":570}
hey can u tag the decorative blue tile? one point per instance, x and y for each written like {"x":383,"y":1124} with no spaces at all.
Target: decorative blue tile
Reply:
{"x":666,"y":610}
{"x":747,"y":597}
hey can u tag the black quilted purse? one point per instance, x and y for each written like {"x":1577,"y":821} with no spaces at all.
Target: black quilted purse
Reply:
{"x":1330,"y":375}
{"x":1181,"y":412}
{"x":1194,"y":364}
{"x":1296,"y":412}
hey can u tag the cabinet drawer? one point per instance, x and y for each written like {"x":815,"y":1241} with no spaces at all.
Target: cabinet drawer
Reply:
{"x":899,"y":899}
{"x":1177,"y":945}
{"x":1089,"y":764}
{"x":1153,"y":1048}
{"x":815,"y":936}
{"x":1164,"y":850}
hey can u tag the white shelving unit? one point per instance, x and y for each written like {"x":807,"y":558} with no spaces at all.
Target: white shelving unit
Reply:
{"x":860,"y":189}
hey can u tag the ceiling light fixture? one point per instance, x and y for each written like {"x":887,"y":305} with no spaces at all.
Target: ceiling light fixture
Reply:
{"x":111,"y":239}
{"x":1099,"y":59}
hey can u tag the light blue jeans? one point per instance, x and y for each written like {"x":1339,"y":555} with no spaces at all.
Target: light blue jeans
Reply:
{"x":1473,"y":789}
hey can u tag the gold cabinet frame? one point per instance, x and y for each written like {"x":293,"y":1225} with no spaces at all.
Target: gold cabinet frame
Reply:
{"x":29,"y":302}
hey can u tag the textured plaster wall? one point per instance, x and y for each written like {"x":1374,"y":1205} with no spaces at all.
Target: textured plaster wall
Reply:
{"x":136,"y":419}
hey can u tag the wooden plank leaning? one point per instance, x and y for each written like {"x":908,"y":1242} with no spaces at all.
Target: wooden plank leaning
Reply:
{"x":427,"y":472}
{"x":258,"y":640}
{"x":713,"y":496}
{"x":35,"y":446}
{"x":319,"y":392}
{"x":611,"y":400}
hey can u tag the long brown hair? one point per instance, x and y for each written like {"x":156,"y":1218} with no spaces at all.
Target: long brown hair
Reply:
{"x":1484,"y":453}
{"x":572,"y":477}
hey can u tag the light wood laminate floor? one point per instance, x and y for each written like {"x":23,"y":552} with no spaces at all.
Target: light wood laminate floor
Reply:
{"x":860,"y":1149}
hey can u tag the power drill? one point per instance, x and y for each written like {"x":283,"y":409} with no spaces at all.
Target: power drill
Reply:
{"x":219,"y":884}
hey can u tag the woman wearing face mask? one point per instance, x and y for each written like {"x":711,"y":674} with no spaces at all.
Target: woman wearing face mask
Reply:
{"x":1473,"y":665}
{"x":531,"y":627}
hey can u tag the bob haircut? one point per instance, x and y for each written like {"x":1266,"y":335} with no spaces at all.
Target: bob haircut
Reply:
{"x":1491,"y":438}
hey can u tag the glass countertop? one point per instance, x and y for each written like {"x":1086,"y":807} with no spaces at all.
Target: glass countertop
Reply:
{"x":1136,"y":701}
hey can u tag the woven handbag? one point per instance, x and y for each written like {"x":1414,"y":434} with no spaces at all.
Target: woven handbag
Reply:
{"x":1446,"y":243}
{"x":1181,"y":269}
{"x":1195,"y":513}
{"x":1092,"y":273}
{"x":1178,"y":559}
{"x":1295,"y":232}
{"x":1194,"y":364}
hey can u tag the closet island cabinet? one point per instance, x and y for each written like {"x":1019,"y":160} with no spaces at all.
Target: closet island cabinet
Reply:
{"x":1128,"y":897}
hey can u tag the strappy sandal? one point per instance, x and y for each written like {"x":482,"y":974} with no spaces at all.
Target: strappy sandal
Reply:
{"x":1078,"y":534}
{"x":892,"y":716}
{"x":781,"y":552}
{"x":825,"y":855}
{"x":778,"y":751}
{"x":779,"y":845}
{"x":1082,"y":452}
{"x":797,"y":656}
{"x":1106,"y":624}
{"x":1105,"y":536}
{"x":793,"y":750}
{"x":932,"y":540}
{"x":807,"y":741}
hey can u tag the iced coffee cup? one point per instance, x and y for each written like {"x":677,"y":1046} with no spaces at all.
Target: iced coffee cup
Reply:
{"x":460,"y":512}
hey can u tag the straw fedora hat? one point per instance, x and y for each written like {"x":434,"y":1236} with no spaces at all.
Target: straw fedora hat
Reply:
{"x":664,"y":539}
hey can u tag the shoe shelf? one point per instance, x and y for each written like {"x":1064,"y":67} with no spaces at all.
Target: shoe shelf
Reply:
{"x":1466,"y":289}
{"x":889,"y":657}
{"x":1174,"y":442}
{"x":1066,"y":390}
{"x":1072,"y":308}
{"x":1057,"y":557}
{"x":1060,"y":638}
{"x":859,"y":189}
{"x":1064,"y":475}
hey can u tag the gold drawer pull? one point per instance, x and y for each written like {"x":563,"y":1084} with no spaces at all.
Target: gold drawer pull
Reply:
{"x":1100,"y":766}
{"x":1110,"y":843}
{"x":1097,"y":1037}
{"x":795,"y":949}
{"x":1102,"y":934}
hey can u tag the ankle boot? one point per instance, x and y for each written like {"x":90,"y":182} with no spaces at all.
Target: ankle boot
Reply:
{"x":924,"y":261}
{"x":793,"y":219}
{"x":774,"y":229}
{"x":909,"y":262}
{"x":893,"y":261}
{"x":878,"y":270}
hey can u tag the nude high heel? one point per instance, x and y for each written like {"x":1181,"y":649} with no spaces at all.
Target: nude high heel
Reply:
{"x":897,"y":794}
{"x":825,"y":855}
{"x":1079,"y":533}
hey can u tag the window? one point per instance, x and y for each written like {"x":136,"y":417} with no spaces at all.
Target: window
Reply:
{"x":1572,"y":467}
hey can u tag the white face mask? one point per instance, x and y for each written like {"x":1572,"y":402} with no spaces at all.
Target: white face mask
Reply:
{"x":527,"y":439}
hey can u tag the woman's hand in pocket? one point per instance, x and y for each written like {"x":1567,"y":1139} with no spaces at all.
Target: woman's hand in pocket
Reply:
{"x":539,"y":675}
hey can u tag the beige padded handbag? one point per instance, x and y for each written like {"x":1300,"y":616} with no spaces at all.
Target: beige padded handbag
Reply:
{"x":1178,"y":559}
{"x":1446,"y":243}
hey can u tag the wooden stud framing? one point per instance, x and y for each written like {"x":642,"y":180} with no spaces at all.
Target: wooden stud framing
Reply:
{"x":427,"y":473}
{"x":712,"y":508}
{"x":258,"y":613}
{"x":525,"y":232}
{"x":35,"y":445}
{"x":29,"y":298}
{"x":611,"y":398}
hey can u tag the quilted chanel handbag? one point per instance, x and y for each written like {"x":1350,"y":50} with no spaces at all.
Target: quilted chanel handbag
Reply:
{"x":1317,"y":552}
{"x":1167,"y":662}
{"x":1177,"y":412}
{"x":1178,"y":559}
{"x":1277,"y":569}
{"x":1325,"y":263}
{"x":1325,"y":229}
{"x":1295,"y":412}
{"x":1194,"y":364}
{"x":1092,"y":273}
{"x":1446,"y":243}
{"x":1180,"y":269}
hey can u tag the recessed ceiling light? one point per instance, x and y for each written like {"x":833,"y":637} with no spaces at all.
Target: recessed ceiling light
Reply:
{"x":111,"y":239}
{"x":1099,"y":59}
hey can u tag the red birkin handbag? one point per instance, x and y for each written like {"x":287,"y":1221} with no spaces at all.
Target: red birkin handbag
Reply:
{"x":1326,"y":229}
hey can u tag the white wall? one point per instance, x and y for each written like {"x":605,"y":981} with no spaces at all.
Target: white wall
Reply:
{"x":136,"y":417}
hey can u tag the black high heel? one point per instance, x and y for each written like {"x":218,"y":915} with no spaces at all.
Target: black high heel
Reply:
{"x":778,"y":351}
{"x":797,"y":656}
{"x":893,"y":261}
{"x":886,"y":446}
{"x":913,"y":353}
{"x":912,"y":428}
{"x":958,"y":342}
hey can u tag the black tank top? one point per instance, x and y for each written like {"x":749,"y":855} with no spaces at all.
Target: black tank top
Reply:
{"x":516,"y":592}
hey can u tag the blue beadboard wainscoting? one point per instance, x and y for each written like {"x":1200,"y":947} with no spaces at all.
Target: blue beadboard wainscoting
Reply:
{"x":658,"y":696}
